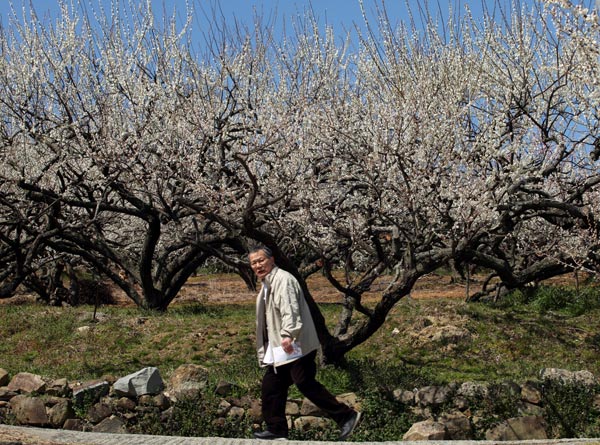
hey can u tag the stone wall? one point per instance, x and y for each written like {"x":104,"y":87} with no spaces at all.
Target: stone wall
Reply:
{"x":451,"y":412}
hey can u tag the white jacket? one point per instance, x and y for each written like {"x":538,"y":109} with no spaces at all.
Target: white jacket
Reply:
{"x":285,"y":313}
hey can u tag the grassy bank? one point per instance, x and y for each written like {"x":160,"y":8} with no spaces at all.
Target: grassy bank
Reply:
{"x":423,"y":342}
{"x":510,"y":342}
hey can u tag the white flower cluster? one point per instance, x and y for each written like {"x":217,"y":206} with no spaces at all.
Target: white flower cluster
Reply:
{"x":409,"y":152}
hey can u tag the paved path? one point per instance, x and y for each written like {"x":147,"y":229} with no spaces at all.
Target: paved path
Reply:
{"x":15,"y":435}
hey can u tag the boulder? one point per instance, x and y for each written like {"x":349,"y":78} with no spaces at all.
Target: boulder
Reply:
{"x":146,"y":400}
{"x":243,"y":402}
{"x":29,"y":410}
{"x":292,"y":408}
{"x":74,"y":425}
{"x":60,"y":412}
{"x":161,"y":402}
{"x":473,"y":390}
{"x":531,"y":393}
{"x":6,"y":394}
{"x":89,"y":392}
{"x":142,"y":382}
{"x":223,"y":408}
{"x":236,"y":412}
{"x":224,"y":388}
{"x":187,"y":381}
{"x":27,"y":383}
{"x":433,"y":395}
{"x":426,"y":430}
{"x":350,"y":399}
{"x":458,"y":425}
{"x":519,"y":428}
{"x":309,"y":423}
{"x":4,"y":377}
{"x":98,"y":412}
{"x":405,"y":397}
{"x":111,"y":425}
{"x":125,"y":404}
{"x":59,"y":387}
{"x":255,"y":412}
{"x":562,"y":375}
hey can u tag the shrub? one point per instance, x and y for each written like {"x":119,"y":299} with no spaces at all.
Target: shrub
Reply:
{"x":384,"y":418}
{"x":501,"y":403}
{"x":570,"y":411}
{"x":569,"y":300}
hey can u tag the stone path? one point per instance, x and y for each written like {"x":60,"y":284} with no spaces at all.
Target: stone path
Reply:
{"x":15,"y":435}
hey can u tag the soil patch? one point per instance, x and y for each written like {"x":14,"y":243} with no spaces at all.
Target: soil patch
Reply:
{"x":229,"y":288}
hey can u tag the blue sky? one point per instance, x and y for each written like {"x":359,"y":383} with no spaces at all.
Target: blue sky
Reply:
{"x":341,"y":14}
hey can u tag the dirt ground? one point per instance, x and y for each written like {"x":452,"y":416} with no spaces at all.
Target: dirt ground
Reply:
{"x":229,"y":288}
{"x":225,"y":289}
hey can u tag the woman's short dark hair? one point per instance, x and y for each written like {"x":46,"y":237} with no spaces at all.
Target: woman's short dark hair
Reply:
{"x":268,"y":252}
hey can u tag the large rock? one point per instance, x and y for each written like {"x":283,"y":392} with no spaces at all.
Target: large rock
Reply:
{"x":292,"y":408}
{"x":564,"y":376}
{"x":161,"y":402}
{"x":187,"y":381}
{"x":144,"y":381}
{"x":350,"y":399}
{"x":29,"y":410}
{"x":225,"y":388}
{"x":458,"y":426}
{"x":255,"y":412}
{"x":405,"y":397}
{"x":531,"y":393}
{"x":27,"y":383}
{"x":74,"y":425}
{"x":59,"y":387}
{"x":125,"y":404}
{"x":223,"y":408}
{"x":236,"y":412}
{"x":433,"y":395}
{"x":473,"y":390}
{"x":111,"y":425}
{"x":310,"y":423}
{"x":6,"y":394}
{"x":99,"y":411}
{"x":60,"y":412}
{"x":310,"y":409}
{"x":426,"y":430}
{"x":4,"y":377}
{"x":519,"y":428}
{"x":89,"y":392}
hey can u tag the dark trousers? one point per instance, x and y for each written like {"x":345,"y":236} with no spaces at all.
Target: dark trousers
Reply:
{"x":302,"y":373}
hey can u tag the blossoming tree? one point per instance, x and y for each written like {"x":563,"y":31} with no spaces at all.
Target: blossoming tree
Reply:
{"x":377,"y":164}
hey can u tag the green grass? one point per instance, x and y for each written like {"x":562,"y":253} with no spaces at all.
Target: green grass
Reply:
{"x":506,"y":342}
